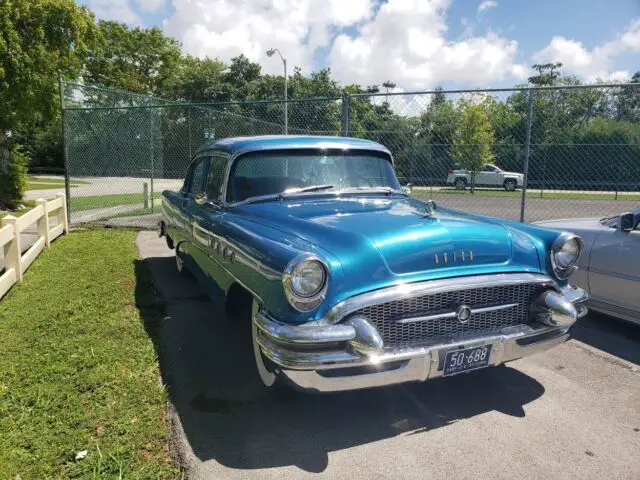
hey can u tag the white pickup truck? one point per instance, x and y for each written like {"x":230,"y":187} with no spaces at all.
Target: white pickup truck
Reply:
{"x":489,"y":176}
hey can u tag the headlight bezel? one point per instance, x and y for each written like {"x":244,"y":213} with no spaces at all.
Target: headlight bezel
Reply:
{"x":564,"y":272}
{"x":304,"y":303}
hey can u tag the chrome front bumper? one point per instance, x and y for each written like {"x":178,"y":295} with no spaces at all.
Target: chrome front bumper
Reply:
{"x":328,"y":358}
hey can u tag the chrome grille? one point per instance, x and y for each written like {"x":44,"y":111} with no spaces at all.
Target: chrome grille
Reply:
{"x":385,"y":315}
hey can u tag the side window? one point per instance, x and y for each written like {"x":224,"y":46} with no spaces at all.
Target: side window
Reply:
{"x":489,"y":168}
{"x":196,"y":180}
{"x":216,"y":176}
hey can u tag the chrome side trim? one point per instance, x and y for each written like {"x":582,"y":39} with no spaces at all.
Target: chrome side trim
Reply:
{"x":409,"y":290}
{"x":453,"y":314}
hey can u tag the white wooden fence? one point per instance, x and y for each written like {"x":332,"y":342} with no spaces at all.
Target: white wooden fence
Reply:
{"x":15,"y":261}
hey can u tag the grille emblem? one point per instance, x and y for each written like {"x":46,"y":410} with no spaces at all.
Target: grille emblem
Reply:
{"x":463,"y":314}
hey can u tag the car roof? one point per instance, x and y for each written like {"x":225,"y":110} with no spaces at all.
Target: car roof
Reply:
{"x":277,"y":142}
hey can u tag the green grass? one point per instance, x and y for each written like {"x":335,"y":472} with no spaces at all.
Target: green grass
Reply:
{"x":632,"y":197}
{"x":27,"y":204}
{"x":43,"y":183}
{"x":77,"y":368}
{"x":49,"y":186}
{"x":103,"y":201}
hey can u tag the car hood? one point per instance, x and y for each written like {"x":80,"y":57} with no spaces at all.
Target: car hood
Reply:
{"x":573,"y":223}
{"x":397,"y":231}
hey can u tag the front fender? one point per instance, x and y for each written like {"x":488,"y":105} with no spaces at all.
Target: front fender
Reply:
{"x":261,"y":254}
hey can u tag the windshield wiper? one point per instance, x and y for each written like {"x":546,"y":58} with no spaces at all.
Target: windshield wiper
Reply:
{"x":381,"y":189}
{"x":310,"y":188}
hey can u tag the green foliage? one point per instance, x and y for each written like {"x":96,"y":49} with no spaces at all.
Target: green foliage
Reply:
{"x":474,"y":138}
{"x":141,"y":60}
{"x":37,"y":38}
{"x":13,"y":179}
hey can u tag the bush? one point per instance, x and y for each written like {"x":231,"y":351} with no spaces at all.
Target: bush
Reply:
{"x":13,"y":177}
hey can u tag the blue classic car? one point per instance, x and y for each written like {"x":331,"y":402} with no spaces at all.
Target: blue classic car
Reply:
{"x":347,"y":281}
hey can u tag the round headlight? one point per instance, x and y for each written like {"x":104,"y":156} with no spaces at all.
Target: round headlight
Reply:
{"x":307,"y":278}
{"x":305,"y":282}
{"x":565,"y":253}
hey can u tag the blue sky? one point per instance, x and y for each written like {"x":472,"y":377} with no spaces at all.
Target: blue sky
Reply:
{"x":416,"y":43}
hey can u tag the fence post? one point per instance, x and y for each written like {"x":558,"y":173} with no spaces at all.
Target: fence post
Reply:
{"x":43,"y":222}
{"x":189,"y":131}
{"x":527,"y":151}
{"x":152,"y":156}
{"x":63,"y":214}
{"x":344,"y":120}
{"x":145,"y":194}
{"x":65,"y":153}
{"x":13,"y":249}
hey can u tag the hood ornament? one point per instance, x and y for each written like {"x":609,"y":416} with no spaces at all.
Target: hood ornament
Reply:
{"x":429,"y":209}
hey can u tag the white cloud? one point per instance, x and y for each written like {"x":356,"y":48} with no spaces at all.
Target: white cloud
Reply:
{"x":486,"y":5}
{"x":151,"y":5}
{"x":119,"y":10}
{"x":592,"y":64}
{"x":406,"y":42}
{"x":226,"y":28}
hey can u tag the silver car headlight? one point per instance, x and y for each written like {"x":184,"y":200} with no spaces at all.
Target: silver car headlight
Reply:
{"x":565,"y":252}
{"x":305,"y":282}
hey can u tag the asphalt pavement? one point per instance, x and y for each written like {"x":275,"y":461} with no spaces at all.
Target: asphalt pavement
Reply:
{"x":571,"y":412}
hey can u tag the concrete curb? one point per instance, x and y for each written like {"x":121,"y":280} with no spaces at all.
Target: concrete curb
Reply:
{"x":605,"y":356}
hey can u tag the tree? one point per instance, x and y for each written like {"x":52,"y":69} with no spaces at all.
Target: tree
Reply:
{"x":197,"y":80}
{"x":473,"y":140}
{"x":141,"y":60}
{"x":548,"y":73}
{"x":37,"y":38}
{"x":627,"y":103}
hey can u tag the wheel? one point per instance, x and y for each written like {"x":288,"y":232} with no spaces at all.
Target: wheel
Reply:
{"x":510,"y":185}
{"x":460,"y":183}
{"x":267,"y":371}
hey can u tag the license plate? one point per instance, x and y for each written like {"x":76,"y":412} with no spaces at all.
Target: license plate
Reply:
{"x":458,"y":361}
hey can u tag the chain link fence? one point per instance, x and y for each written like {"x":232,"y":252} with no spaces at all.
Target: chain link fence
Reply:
{"x":574,"y":151}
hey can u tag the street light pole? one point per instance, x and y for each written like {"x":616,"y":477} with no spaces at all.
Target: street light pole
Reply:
{"x":270,"y":53}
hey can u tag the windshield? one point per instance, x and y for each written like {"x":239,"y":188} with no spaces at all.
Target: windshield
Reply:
{"x":267,"y":173}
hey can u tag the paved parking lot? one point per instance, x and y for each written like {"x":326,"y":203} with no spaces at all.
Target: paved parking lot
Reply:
{"x":573,"y":412}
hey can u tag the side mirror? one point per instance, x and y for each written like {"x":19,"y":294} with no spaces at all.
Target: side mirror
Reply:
{"x":626,"y":222}
{"x":407,"y":188}
{"x":200,"y":198}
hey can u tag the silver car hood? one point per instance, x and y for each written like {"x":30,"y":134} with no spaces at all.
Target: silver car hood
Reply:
{"x":573,"y":223}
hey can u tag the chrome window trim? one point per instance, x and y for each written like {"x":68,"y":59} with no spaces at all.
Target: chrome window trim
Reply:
{"x":409,"y":290}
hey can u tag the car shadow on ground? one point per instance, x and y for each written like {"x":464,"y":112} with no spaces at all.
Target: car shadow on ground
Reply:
{"x":610,"y":335}
{"x":207,"y":365}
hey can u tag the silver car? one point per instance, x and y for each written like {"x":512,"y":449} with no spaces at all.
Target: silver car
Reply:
{"x":609,"y":265}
